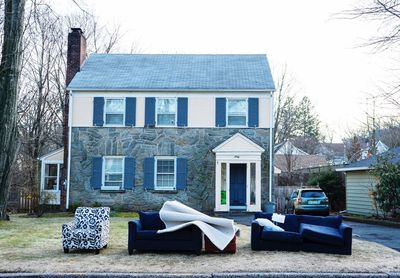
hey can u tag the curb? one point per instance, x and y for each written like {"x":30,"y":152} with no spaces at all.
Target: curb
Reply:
{"x":211,"y":275}
{"x":372,"y":221}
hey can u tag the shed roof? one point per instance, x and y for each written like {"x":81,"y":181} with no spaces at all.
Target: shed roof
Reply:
{"x":178,"y":72}
{"x":365,"y":164}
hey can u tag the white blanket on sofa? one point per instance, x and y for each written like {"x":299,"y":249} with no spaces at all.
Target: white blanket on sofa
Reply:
{"x":176,"y":216}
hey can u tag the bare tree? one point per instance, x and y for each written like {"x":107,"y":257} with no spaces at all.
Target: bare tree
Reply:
{"x":9,"y":76}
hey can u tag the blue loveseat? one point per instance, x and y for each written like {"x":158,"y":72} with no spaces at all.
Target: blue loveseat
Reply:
{"x":305,"y":233}
{"x":142,"y":235}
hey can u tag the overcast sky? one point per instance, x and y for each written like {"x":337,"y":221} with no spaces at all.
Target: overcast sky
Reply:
{"x":320,"y":51}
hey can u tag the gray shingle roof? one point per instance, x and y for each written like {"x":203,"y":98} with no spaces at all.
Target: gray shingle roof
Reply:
{"x":173,"y":72}
{"x":393,"y":155}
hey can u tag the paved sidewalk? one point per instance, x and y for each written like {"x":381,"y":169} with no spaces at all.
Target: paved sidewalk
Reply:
{"x":212,"y":275}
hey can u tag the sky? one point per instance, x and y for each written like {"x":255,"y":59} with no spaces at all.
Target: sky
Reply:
{"x":321,"y":51}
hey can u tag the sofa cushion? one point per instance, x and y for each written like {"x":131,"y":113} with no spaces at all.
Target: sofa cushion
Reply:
{"x":321,"y":234}
{"x":151,"y":220}
{"x":329,"y":221}
{"x":281,"y":236}
{"x":183,"y":234}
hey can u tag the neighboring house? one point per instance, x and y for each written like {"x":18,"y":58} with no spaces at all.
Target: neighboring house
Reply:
{"x":359,"y":183}
{"x":289,"y":158}
{"x":50,"y":174}
{"x":144,"y":129}
{"x":334,"y":152}
{"x":366,"y":149}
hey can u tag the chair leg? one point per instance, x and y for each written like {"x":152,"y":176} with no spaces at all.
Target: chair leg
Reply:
{"x":97,"y":251}
{"x":66,"y":250}
{"x":105,"y":246}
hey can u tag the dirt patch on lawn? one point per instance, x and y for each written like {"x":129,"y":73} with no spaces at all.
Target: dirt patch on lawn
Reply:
{"x":46,"y":255}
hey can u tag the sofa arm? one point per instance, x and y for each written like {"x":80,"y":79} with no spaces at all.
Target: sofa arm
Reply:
{"x":256,"y":230}
{"x":347,"y":233}
{"x":133,"y":227}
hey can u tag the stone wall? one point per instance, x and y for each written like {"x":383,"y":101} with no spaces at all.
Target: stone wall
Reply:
{"x":196,"y":144}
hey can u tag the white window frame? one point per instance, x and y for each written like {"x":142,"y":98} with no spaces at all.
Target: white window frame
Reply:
{"x":43,"y":179}
{"x":103,"y":170}
{"x":176,"y":113}
{"x":227,"y":112}
{"x":105,"y":112}
{"x":155,"y":172}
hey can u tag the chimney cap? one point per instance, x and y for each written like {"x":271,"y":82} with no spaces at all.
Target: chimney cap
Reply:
{"x":77,"y":30}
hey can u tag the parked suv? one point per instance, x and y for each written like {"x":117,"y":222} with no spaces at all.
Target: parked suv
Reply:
{"x":309,"y":201}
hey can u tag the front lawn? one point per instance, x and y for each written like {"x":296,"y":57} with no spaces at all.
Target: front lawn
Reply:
{"x":34,"y":245}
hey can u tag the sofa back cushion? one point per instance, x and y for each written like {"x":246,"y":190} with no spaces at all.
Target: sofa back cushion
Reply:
{"x":291,"y":221}
{"x":327,"y":221}
{"x":151,"y":220}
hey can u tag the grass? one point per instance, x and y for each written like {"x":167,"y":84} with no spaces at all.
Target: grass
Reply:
{"x":30,"y":244}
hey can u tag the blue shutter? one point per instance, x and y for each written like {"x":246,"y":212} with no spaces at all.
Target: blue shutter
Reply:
{"x":130,"y":111}
{"x":220,"y":112}
{"x":129,"y":173}
{"x":98,"y":111}
{"x":150,"y":112}
{"x":148,"y":180}
{"x":182,"y":111}
{"x":97,"y":167}
{"x":181,"y":173}
{"x":253,"y":112}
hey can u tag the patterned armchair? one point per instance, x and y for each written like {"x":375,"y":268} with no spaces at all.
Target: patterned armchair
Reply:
{"x":89,"y":230}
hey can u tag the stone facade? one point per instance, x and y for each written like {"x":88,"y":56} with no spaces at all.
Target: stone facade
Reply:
{"x":195,"y":144}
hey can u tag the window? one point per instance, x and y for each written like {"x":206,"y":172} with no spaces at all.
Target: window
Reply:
{"x":237,"y":112}
{"x":113,"y":173}
{"x":165,"y":173}
{"x":166,"y":111}
{"x":114,"y":111}
{"x":51,"y":176}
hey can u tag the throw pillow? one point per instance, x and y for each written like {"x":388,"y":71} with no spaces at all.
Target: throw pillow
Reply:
{"x":151,"y":221}
{"x":269,"y":225}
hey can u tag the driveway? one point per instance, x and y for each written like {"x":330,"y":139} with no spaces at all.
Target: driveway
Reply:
{"x":387,"y":236}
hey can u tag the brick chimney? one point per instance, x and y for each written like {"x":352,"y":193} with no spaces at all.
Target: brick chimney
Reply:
{"x":76,"y":54}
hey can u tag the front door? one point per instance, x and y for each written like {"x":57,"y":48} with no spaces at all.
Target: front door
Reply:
{"x":237,"y":185}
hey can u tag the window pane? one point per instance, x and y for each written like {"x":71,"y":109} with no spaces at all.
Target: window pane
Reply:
{"x":237,"y":106}
{"x":165,"y":166}
{"x":108,"y":183}
{"x":114,"y":119}
{"x":113,"y":165}
{"x":115,"y":105}
{"x":166,"y":119}
{"x":165,"y":173}
{"x":165,"y":180}
{"x":51,"y":170}
{"x":166,"y":106}
{"x":252,"y":183}
{"x":223,"y":184}
{"x":236,"y":120}
{"x":113,"y":177}
{"x":50,"y":183}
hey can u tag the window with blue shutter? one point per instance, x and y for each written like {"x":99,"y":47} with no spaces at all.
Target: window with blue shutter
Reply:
{"x":253,"y":112}
{"x":130,"y":111}
{"x":220,"y":112}
{"x":148,"y":179}
{"x":182,"y":111}
{"x":150,"y":112}
{"x":181,"y":173}
{"x":98,"y":111}
{"x":129,"y":173}
{"x":97,"y":166}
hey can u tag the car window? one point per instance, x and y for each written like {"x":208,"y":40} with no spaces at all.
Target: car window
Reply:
{"x":294,"y":194}
{"x":312,"y":194}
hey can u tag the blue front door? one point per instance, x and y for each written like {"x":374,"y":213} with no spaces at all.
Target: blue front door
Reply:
{"x":237,"y":184}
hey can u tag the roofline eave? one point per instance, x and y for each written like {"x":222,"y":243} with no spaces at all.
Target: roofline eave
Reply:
{"x":168,"y":90}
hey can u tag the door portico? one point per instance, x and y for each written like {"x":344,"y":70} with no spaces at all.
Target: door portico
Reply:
{"x":238,"y":174}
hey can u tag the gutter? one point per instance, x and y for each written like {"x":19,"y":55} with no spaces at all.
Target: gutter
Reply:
{"x":69,"y":147}
{"x":353,"y":169}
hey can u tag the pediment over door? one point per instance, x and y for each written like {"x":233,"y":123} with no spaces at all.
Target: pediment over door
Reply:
{"x":238,"y":143}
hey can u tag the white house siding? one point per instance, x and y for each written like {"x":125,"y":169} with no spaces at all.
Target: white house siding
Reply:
{"x":201,"y":107}
{"x":358,"y":184}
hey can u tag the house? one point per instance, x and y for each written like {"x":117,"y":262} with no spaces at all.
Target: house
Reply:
{"x":334,"y":152}
{"x":359,"y":183}
{"x":380,"y":148}
{"x":144,"y":129}
{"x":289,"y":158}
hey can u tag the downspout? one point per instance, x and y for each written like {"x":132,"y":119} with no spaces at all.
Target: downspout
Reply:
{"x":271,"y":149}
{"x":69,"y":147}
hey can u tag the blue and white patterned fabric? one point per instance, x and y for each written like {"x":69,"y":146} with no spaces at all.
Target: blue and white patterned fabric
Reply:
{"x":89,"y":230}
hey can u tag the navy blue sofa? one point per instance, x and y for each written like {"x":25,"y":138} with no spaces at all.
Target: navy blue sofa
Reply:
{"x":142,"y":235}
{"x":303,"y":232}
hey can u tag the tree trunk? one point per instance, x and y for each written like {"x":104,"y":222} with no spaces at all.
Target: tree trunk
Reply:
{"x":9,"y":74}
